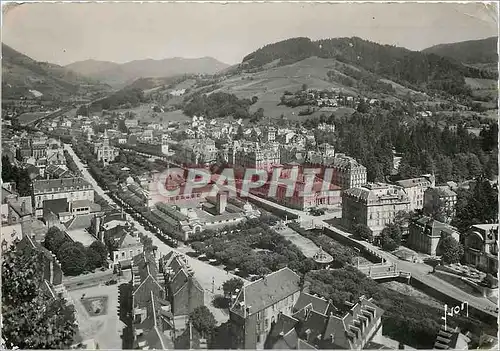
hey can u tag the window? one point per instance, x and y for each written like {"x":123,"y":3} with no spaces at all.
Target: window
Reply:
{"x":266,"y":323}
{"x":123,"y":254}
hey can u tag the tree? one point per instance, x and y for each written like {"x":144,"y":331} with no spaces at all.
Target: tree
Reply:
{"x":203,"y":320}
{"x":54,"y":239}
{"x":254,"y":99}
{"x":230,"y":286}
{"x":304,"y":87}
{"x":32,"y":319}
{"x":390,"y":237}
{"x":8,"y":172}
{"x":363,"y":232}
{"x":451,"y":250}
{"x":435,"y":209}
{"x":73,"y":259}
{"x":100,"y":248}
{"x":23,"y":183}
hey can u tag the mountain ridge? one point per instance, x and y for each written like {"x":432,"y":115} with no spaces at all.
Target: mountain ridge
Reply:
{"x":21,"y":75}
{"x":470,"y":51}
{"x":119,"y":75}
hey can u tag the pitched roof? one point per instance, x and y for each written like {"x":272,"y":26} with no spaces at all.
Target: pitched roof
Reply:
{"x":269,"y":290}
{"x":82,"y":221}
{"x":317,"y":303}
{"x":62,"y":184}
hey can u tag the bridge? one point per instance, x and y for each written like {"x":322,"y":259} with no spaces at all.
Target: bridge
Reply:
{"x":383,"y":270}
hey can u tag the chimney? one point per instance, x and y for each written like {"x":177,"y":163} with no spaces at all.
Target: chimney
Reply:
{"x":308,"y":333}
{"x":221,"y":202}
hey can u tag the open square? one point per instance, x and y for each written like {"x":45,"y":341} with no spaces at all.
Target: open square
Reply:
{"x":95,"y":306}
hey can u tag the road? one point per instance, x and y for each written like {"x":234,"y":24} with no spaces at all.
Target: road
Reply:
{"x":421,"y":271}
{"x":206,"y":274}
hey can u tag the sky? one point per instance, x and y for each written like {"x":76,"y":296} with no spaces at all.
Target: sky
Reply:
{"x":63,"y":33}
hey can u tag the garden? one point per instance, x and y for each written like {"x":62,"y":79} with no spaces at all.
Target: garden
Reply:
{"x":252,"y":247}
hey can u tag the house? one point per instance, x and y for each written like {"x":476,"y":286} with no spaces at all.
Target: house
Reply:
{"x":124,"y":244}
{"x":317,"y":324}
{"x":481,"y":247}
{"x":374,"y":205}
{"x":75,"y":188}
{"x":183,"y":292}
{"x":415,"y":189}
{"x":56,"y":171}
{"x":149,"y":308}
{"x":426,"y":233}
{"x":451,"y":338}
{"x":259,"y":304}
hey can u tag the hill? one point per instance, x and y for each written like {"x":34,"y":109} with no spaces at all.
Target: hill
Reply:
{"x":119,"y":75}
{"x":417,"y":70}
{"x":482,"y":51}
{"x":24,"y":77}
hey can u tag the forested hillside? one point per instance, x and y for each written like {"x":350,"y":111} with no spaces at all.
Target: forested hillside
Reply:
{"x":427,"y":72}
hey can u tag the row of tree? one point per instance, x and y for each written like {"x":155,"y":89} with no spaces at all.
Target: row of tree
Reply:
{"x":75,"y":258}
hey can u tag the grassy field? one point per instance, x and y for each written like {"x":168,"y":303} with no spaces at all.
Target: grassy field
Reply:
{"x":144,"y":113}
{"x":481,"y":84}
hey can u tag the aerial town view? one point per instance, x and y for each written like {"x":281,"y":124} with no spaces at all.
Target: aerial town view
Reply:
{"x":249,"y":176}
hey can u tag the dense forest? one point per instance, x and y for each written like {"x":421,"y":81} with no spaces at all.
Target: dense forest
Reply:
{"x":471,"y":51}
{"x":451,"y":153}
{"x":218,"y":105}
{"x":428,"y":72}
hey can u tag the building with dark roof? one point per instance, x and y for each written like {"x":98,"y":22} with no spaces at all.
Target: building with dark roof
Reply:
{"x":415,"y":189}
{"x":451,"y":339}
{"x":318,"y":324}
{"x":258,"y":305}
{"x":70,"y":188}
{"x":374,"y":205}
{"x":183,"y":292}
{"x":426,"y":233}
{"x":149,"y":308}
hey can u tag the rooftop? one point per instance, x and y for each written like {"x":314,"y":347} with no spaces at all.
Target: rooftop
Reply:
{"x":267,"y":291}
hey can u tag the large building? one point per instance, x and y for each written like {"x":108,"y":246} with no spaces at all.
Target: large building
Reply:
{"x":197,"y":152}
{"x":346,"y":171}
{"x":443,"y":195}
{"x":320,"y":194}
{"x":257,"y":156}
{"x":190,"y":217}
{"x":316,"y":323}
{"x":105,"y":153}
{"x":70,"y":188}
{"x":415,"y":189}
{"x":374,"y":205}
{"x":481,"y":247}
{"x":426,"y":233}
{"x":259,"y":304}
